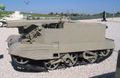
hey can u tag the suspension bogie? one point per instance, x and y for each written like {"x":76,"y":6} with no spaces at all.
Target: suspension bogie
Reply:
{"x":68,"y":59}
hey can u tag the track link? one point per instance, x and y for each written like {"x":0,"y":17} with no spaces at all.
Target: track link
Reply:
{"x":66,"y":60}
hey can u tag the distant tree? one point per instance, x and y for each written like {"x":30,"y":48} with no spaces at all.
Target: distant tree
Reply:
{"x":56,"y":13}
{"x":2,"y":7}
{"x":74,"y":14}
{"x":62,"y":13}
{"x":65,"y":14}
{"x":118,"y":13}
{"x":51,"y":13}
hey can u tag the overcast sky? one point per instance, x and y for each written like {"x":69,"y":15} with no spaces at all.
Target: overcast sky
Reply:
{"x":46,"y":6}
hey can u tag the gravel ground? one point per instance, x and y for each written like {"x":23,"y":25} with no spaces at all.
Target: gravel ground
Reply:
{"x":83,"y":71}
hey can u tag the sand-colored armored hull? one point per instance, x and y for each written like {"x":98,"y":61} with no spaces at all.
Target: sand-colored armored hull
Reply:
{"x":53,"y":43}
{"x":46,"y":51}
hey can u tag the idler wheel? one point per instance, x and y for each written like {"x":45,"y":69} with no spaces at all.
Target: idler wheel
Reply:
{"x":20,"y":60}
{"x":105,"y":53}
{"x":18,"y":63}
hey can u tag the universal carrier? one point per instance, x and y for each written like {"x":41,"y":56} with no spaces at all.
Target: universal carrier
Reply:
{"x":51,"y":43}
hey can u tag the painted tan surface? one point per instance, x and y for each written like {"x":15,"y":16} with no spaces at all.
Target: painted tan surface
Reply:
{"x":74,"y":37}
{"x":75,"y":33}
{"x":19,"y":23}
{"x":46,"y":51}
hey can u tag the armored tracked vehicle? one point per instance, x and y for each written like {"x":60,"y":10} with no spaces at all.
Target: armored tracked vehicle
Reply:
{"x":52,"y":43}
